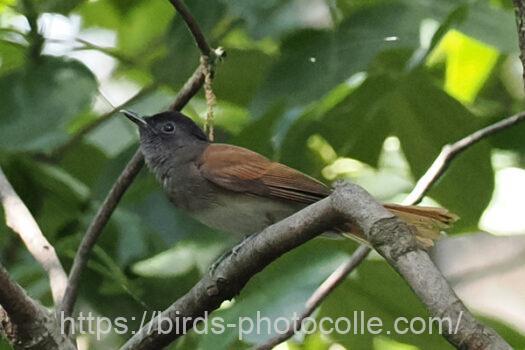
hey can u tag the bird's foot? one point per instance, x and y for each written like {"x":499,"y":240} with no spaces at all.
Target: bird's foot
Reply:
{"x":233,"y":251}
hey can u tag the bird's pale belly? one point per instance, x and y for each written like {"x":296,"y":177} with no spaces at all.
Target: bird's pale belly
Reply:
{"x":244,"y":214}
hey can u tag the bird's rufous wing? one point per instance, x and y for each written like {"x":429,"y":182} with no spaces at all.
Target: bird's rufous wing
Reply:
{"x":241,"y":170}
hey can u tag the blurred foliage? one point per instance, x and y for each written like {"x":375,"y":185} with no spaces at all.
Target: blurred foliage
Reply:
{"x":363,"y":90}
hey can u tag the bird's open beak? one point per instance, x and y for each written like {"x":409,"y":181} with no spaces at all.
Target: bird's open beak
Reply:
{"x":135,"y":118}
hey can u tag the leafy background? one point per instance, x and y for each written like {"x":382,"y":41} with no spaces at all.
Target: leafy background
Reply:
{"x":362,"y":90}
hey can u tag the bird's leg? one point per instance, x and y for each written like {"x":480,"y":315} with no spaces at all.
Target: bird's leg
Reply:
{"x":233,"y":251}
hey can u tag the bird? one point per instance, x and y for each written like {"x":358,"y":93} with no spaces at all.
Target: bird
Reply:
{"x":239,"y":191}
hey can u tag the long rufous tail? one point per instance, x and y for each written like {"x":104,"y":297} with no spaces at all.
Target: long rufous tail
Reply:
{"x":428,"y":222}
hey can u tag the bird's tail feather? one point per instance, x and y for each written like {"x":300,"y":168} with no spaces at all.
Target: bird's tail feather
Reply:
{"x":428,"y":223}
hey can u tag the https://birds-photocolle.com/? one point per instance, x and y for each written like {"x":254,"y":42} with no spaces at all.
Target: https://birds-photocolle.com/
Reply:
{"x":238,"y":191}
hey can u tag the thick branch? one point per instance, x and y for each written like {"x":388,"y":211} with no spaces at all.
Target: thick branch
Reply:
{"x":20,"y":220}
{"x":24,"y":323}
{"x":433,"y":174}
{"x":20,"y":307}
{"x":350,"y":203}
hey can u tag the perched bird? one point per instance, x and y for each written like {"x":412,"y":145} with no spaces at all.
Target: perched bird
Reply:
{"x":233,"y":189}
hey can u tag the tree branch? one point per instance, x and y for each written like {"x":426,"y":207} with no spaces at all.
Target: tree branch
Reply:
{"x":190,"y":89}
{"x":24,"y":323}
{"x":193,"y":26}
{"x":20,"y":220}
{"x":320,"y":294}
{"x":519,"y":9}
{"x":435,"y":171}
{"x":449,"y":152}
{"x":391,"y":237}
{"x":95,"y":230}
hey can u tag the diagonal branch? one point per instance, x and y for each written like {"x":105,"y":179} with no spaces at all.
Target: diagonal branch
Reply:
{"x":20,"y":220}
{"x":519,"y":9}
{"x":450,"y":152}
{"x":95,"y":230}
{"x":391,"y":237}
{"x":435,"y":171}
{"x":320,"y":294}
{"x":26,"y":324}
{"x":193,"y":26}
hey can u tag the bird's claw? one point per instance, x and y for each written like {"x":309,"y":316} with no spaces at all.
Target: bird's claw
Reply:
{"x":233,"y":251}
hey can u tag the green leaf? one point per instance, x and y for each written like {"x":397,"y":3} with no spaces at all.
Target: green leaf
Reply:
{"x":492,"y":25}
{"x":258,"y":134}
{"x":231,"y":81}
{"x":47,"y":190}
{"x":314,"y":61}
{"x":60,"y":6}
{"x":271,"y":17}
{"x":357,"y":127}
{"x":12,"y":56}
{"x":181,"y":56}
{"x":36,"y":103}
{"x":483,"y":20}
{"x":469,"y":64}
{"x":181,"y":259}
{"x":425,"y":119}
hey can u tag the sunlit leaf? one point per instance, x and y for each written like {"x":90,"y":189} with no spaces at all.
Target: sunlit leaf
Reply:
{"x":469,"y":64}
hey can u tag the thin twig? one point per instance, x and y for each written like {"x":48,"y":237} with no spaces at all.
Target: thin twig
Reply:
{"x":435,"y":171}
{"x":208,"y":60}
{"x":519,"y":9}
{"x":190,"y":88}
{"x":20,"y":220}
{"x":193,"y":26}
{"x":95,"y":229}
{"x":449,"y":152}
{"x":320,"y":294}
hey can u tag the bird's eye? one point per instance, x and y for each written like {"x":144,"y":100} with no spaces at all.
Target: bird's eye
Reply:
{"x":168,"y":128}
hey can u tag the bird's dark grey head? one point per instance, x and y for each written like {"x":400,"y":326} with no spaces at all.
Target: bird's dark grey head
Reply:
{"x":168,"y":138}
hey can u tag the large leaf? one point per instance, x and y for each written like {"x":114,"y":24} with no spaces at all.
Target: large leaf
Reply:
{"x":483,"y":20}
{"x":357,"y":126}
{"x":275,"y":17}
{"x":425,"y":119}
{"x":313,"y":62}
{"x":12,"y":56}
{"x":36,"y":103}
{"x":236,"y":79}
